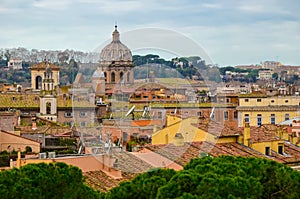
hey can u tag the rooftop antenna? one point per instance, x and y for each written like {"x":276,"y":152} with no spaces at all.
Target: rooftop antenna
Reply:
{"x":146,"y":110}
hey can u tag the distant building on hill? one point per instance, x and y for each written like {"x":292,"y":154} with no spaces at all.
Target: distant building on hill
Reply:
{"x":265,"y":74}
{"x":15,"y":64}
{"x":273,"y":65}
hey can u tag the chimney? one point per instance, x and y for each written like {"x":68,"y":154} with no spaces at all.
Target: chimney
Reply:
{"x":247,"y":134}
{"x":155,"y":128}
{"x":19,"y":159}
{"x":178,"y":140}
{"x":34,"y":123}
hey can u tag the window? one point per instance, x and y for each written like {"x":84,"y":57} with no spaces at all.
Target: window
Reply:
{"x":121,"y":76}
{"x":272,"y":101}
{"x":258,"y":100}
{"x":199,"y":114}
{"x":273,"y":119}
{"x":267,"y":150}
{"x":159,"y":115}
{"x":113,"y":77}
{"x":280,"y":150}
{"x":247,"y":118}
{"x":83,"y":123}
{"x":48,"y":108}
{"x":246,"y":100}
{"x":235,"y":115}
{"x":68,"y":123}
{"x":227,"y":100}
{"x":259,"y":119}
{"x":225,"y":115}
{"x":83,"y":114}
{"x":286,"y":116}
{"x":286,"y":101}
{"x":99,"y":112}
{"x":68,"y":114}
{"x":124,"y":137}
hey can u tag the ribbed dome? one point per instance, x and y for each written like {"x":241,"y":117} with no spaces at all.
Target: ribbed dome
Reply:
{"x":115,"y":51}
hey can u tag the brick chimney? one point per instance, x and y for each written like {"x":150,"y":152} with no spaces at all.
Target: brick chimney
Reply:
{"x":247,"y":134}
{"x":178,"y":139}
{"x":33,"y":123}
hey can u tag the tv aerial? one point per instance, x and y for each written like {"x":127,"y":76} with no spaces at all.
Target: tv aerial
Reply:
{"x":146,"y":111}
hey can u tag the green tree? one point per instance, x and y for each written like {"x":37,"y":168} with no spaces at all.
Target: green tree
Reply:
{"x":221,"y":177}
{"x":45,"y":181}
{"x":275,"y":75}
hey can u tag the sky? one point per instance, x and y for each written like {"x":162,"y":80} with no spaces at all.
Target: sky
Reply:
{"x":230,"y":32}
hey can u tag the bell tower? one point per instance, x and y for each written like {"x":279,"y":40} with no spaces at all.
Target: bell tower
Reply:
{"x":38,"y":75}
{"x":48,"y":101}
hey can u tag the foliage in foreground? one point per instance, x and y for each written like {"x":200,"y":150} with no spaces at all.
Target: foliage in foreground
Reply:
{"x":222,"y":177}
{"x":45,"y":181}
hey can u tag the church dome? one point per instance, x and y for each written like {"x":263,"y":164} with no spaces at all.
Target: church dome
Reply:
{"x":116,"y":50}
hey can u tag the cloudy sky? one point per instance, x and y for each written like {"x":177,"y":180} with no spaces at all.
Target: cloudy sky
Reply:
{"x":231,"y":32}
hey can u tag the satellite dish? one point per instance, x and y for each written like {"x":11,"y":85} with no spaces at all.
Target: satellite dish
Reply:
{"x":131,"y":112}
{"x":212,"y":113}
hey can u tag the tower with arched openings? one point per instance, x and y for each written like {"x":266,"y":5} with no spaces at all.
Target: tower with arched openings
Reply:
{"x":38,"y":73}
{"x":45,"y":78}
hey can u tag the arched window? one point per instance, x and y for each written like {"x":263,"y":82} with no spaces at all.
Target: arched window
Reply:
{"x":28,"y":149}
{"x":105,"y":75}
{"x":48,"y":108}
{"x":38,"y":82}
{"x":121,"y":76}
{"x":113,"y":77}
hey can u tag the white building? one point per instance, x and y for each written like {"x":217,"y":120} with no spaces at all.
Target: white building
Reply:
{"x":15,"y":63}
{"x":265,"y":74}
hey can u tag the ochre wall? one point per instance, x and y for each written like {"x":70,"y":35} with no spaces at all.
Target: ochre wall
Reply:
{"x":266,"y":116}
{"x":17,"y":142}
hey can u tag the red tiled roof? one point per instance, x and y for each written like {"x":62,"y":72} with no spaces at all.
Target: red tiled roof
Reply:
{"x":25,"y":138}
{"x":263,"y":133}
{"x":183,"y":154}
{"x":43,"y":65}
{"x":217,"y":128}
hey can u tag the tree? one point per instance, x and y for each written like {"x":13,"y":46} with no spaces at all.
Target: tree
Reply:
{"x":7,"y":55}
{"x":275,"y":76}
{"x":143,"y":186}
{"x":45,"y":181}
{"x":220,"y":177}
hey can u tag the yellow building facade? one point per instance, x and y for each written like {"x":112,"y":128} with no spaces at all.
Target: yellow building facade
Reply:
{"x":189,"y":131}
{"x":266,"y":139}
{"x":185,"y":127}
{"x":259,"y":110}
